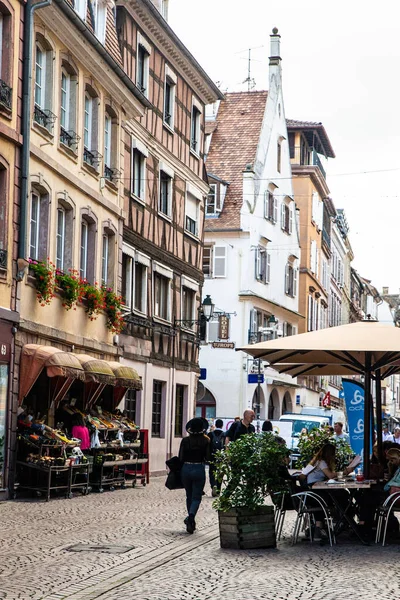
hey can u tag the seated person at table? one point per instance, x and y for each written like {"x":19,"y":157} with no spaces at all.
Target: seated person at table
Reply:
{"x":323,"y":464}
{"x":321,"y":467}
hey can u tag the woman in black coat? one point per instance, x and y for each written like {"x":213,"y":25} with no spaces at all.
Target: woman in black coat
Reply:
{"x":194,"y":452}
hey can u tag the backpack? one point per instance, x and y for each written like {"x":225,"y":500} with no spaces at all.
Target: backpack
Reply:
{"x":217,"y":441}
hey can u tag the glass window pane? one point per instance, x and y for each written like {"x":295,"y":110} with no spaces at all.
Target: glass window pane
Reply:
{"x":3,"y":407}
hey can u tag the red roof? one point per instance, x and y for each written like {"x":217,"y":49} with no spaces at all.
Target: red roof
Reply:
{"x":233,"y":146}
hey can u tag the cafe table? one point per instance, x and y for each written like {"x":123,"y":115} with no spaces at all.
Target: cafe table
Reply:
{"x":344,"y":511}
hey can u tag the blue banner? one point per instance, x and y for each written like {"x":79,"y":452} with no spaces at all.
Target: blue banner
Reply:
{"x":354,"y":399}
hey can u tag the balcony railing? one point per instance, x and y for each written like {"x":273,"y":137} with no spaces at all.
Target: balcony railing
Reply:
{"x":5,"y":95}
{"x":44,"y":117}
{"x":69,"y":138}
{"x":303,"y":156}
{"x":317,"y":162}
{"x":92,"y":158}
{"x":326,"y":238}
{"x":111,"y":174}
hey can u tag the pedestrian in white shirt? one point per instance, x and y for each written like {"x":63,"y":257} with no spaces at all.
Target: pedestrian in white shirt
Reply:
{"x":396,"y":437}
{"x":386,"y":435}
{"x":339,"y":434}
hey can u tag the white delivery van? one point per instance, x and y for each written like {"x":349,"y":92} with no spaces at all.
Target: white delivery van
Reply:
{"x":299,"y":422}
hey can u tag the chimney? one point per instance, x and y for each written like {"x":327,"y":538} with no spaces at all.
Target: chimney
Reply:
{"x":275,"y":58}
{"x":385,"y":291}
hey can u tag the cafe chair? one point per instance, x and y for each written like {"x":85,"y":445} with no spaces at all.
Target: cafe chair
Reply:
{"x":307,"y":504}
{"x":282,"y":502}
{"x":384,"y":511}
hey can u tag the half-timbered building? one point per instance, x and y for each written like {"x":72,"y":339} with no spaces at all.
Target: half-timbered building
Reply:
{"x":164,"y":190}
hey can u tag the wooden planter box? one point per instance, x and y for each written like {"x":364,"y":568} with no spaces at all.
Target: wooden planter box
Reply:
{"x":243,"y":528}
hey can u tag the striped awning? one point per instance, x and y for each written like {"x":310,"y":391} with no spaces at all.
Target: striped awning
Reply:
{"x":126,"y":376}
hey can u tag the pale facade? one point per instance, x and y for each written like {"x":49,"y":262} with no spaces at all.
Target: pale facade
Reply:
{"x":164,"y":194}
{"x":10,"y":144}
{"x":251,"y":255}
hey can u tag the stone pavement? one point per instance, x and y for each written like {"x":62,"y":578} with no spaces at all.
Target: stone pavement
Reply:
{"x":165,"y":562}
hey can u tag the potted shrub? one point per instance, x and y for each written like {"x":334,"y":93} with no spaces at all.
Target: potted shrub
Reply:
{"x":249,"y":469}
{"x":312,"y":442}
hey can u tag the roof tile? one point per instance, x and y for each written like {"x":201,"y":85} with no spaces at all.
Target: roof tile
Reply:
{"x":234,"y":145}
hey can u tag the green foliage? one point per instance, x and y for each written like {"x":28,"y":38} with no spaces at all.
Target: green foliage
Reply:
{"x":71,"y":285}
{"x":249,"y":469}
{"x":311,"y":443}
{"x":43,"y":273}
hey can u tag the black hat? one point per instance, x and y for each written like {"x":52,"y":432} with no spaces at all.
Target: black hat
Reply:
{"x":197,"y":425}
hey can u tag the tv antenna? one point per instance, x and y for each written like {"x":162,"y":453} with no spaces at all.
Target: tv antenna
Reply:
{"x":251,"y":82}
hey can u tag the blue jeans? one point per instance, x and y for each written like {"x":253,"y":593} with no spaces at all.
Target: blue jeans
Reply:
{"x":193,"y":478}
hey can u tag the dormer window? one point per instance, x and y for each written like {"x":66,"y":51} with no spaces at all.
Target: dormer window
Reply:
{"x":215,"y":199}
{"x":100,"y":17}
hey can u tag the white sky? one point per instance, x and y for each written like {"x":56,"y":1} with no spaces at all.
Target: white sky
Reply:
{"x":341,"y":66}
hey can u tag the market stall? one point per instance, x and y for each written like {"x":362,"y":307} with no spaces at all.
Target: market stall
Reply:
{"x":63,"y":393}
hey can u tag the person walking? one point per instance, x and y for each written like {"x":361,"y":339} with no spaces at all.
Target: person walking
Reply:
{"x":194,"y":452}
{"x":241,"y":427}
{"x":217,"y":442}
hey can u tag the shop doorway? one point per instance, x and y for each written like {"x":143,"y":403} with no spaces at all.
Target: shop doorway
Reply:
{"x":287,"y":403}
{"x":206,"y":405}
{"x":273,"y":405}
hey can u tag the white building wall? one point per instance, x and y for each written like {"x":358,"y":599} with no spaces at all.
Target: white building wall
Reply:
{"x":239,"y":291}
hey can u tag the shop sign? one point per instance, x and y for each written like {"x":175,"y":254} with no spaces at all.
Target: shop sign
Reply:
{"x":228,"y":345}
{"x":223,"y":322}
{"x":5,"y":352}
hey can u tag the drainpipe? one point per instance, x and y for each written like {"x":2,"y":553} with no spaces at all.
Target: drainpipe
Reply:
{"x":26,"y":132}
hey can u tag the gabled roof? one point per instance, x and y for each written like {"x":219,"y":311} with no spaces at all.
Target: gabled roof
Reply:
{"x":309,"y":128}
{"x":233,"y":146}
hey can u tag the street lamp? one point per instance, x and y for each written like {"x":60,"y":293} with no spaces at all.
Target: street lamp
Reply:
{"x":207,"y":307}
{"x":206,"y":311}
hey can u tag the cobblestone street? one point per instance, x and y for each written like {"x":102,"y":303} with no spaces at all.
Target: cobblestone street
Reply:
{"x":151,"y":557}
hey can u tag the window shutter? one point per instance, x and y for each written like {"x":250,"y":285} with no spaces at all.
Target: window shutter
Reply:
{"x":294,"y":282}
{"x":283,"y":215}
{"x":268,"y":269}
{"x":313,"y":255}
{"x":263,"y":266}
{"x":257,"y":264}
{"x":275,"y":200}
{"x":290,"y":220}
{"x":266,"y":204}
{"x":287,"y":282}
{"x":316,"y":261}
{"x":217,"y":199}
{"x":309,"y":313}
{"x":220,"y":257}
{"x":284,"y":329}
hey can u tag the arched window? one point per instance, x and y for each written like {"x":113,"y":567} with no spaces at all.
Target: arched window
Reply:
{"x":110,"y":144}
{"x":4,"y":199}
{"x":108,"y":257}
{"x":68,"y":106}
{"x":91,"y":155}
{"x":43,"y":84}
{"x":87,"y":260}
{"x":64,"y":234}
{"x":39,"y":222}
{"x":6,"y":59}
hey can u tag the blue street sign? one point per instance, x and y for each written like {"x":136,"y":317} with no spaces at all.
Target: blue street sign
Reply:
{"x":255,"y":378}
{"x":203,"y":374}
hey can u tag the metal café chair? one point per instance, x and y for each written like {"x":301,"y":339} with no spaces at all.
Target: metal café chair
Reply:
{"x":307,"y":504}
{"x":282,"y":502}
{"x":384,"y":511}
